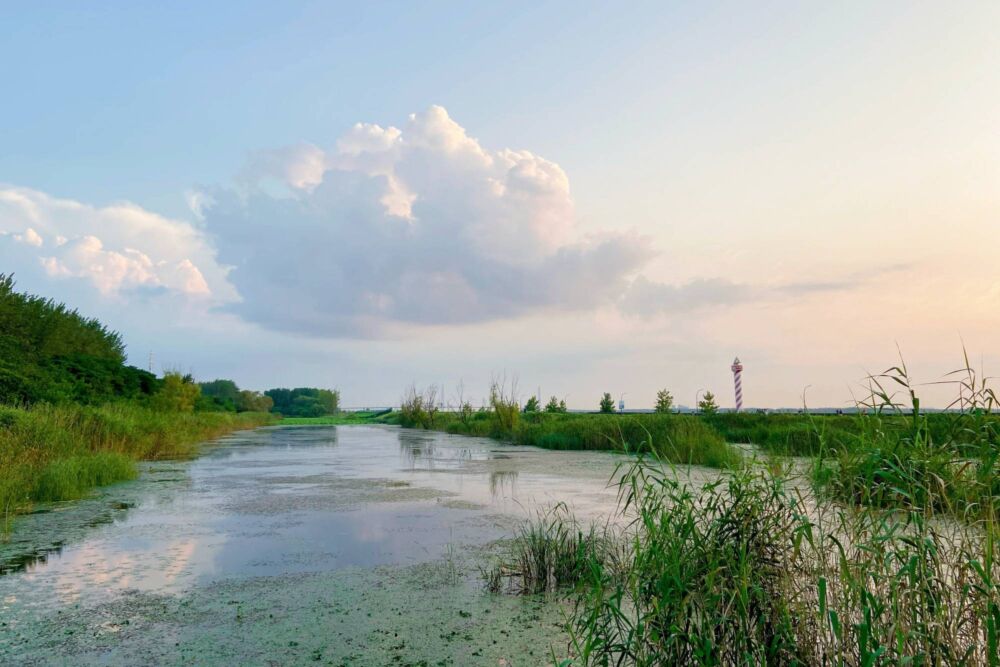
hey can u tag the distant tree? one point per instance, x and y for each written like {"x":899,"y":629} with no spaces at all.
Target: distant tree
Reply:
{"x":418,"y":408}
{"x":304,"y":401}
{"x":178,"y":393}
{"x":607,"y":403}
{"x":707,"y":404}
{"x":532,"y":405}
{"x":253,"y":401}
{"x":664,"y":401}
{"x":219,"y":395}
{"x":555,"y":405}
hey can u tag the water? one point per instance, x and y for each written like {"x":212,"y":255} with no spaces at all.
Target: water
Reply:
{"x":356,"y":544}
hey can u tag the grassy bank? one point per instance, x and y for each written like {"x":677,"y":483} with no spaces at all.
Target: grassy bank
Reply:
{"x":811,"y":435}
{"x":676,"y":438}
{"x":60,"y":452}
{"x":339,"y":419}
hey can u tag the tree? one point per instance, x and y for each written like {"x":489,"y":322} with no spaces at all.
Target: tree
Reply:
{"x":664,"y":401}
{"x":253,"y":401}
{"x":532,"y":405}
{"x":304,"y":401}
{"x":49,"y":352}
{"x":707,"y":404}
{"x":221,"y":394}
{"x":607,"y":403}
{"x":418,"y":408}
{"x":178,"y":393}
{"x":555,"y":405}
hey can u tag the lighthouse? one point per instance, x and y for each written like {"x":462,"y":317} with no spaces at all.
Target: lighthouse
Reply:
{"x":737,"y":369}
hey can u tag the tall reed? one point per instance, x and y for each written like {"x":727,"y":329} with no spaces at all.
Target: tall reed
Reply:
{"x":60,"y":452}
{"x":887,"y":553}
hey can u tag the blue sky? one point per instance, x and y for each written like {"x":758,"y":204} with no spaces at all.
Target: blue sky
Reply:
{"x":750,"y":147}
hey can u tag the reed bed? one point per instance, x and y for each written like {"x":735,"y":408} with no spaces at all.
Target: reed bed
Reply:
{"x":885,"y":552}
{"x":60,"y":452}
{"x":682,"y":439}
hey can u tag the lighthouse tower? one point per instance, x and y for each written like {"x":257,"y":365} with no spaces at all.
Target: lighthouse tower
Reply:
{"x":737,"y":369}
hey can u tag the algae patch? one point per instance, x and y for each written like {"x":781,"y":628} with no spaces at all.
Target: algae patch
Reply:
{"x":415,"y":615}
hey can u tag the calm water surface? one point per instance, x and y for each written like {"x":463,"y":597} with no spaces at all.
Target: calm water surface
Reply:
{"x":273,"y":510}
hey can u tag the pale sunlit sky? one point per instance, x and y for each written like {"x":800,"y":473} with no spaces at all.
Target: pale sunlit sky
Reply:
{"x":589,"y":196}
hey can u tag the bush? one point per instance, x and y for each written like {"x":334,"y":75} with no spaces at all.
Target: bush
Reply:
{"x":178,"y":393}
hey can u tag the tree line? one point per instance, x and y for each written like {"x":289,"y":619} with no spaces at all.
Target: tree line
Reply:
{"x":50,"y":353}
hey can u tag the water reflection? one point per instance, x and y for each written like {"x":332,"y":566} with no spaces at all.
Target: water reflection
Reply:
{"x":22,"y":553}
{"x":421,"y":450}
{"x":502,"y":483}
{"x":291,"y":500}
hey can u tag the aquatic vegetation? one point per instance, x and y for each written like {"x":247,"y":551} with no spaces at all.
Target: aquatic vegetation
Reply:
{"x":549,"y":552}
{"x":677,"y":438}
{"x":744,"y":571}
{"x":900,"y":457}
{"x":59,"y":452}
{"x":894,"y":559}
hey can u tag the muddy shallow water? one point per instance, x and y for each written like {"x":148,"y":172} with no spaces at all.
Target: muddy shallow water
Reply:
{"x":347,"y":545}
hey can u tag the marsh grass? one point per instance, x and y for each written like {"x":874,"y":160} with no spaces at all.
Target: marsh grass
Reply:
{"x":681,"y":439}
{"x":886,"y":555}
{"x":899,"y":457}
{"x":60,"y":452}
{"x":550,"y":552}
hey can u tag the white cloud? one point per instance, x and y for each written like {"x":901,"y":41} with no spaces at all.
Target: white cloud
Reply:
{"x":414,"y":225}
{"x":114,"y":248}
{"x":30,"y":237}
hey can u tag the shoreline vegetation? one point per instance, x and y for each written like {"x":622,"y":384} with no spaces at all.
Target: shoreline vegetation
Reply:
{"x":888,"y":554}
{"x":893,"y":557}
{"x":74,"y":415}
{"x":61,"y":452}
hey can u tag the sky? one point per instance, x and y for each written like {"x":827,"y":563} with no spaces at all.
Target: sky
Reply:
{"x":579,"y":197}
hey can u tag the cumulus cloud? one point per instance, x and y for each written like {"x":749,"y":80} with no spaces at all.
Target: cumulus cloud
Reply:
{"x":418,"y":225}
{"x":114,"y":248}
{"x":414,"y":225}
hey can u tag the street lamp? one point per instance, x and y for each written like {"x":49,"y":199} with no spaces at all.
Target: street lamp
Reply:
{"x":696,"y":408}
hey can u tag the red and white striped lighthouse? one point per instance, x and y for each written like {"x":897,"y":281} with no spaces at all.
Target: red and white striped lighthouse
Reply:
{"x":737,"y":369}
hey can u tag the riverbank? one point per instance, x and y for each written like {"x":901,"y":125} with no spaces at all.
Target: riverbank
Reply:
{"x":681,"y":439}
{"x":61,"y":452}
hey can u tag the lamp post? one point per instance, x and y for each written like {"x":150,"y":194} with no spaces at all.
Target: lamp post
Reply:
{"x":696,"y":408}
